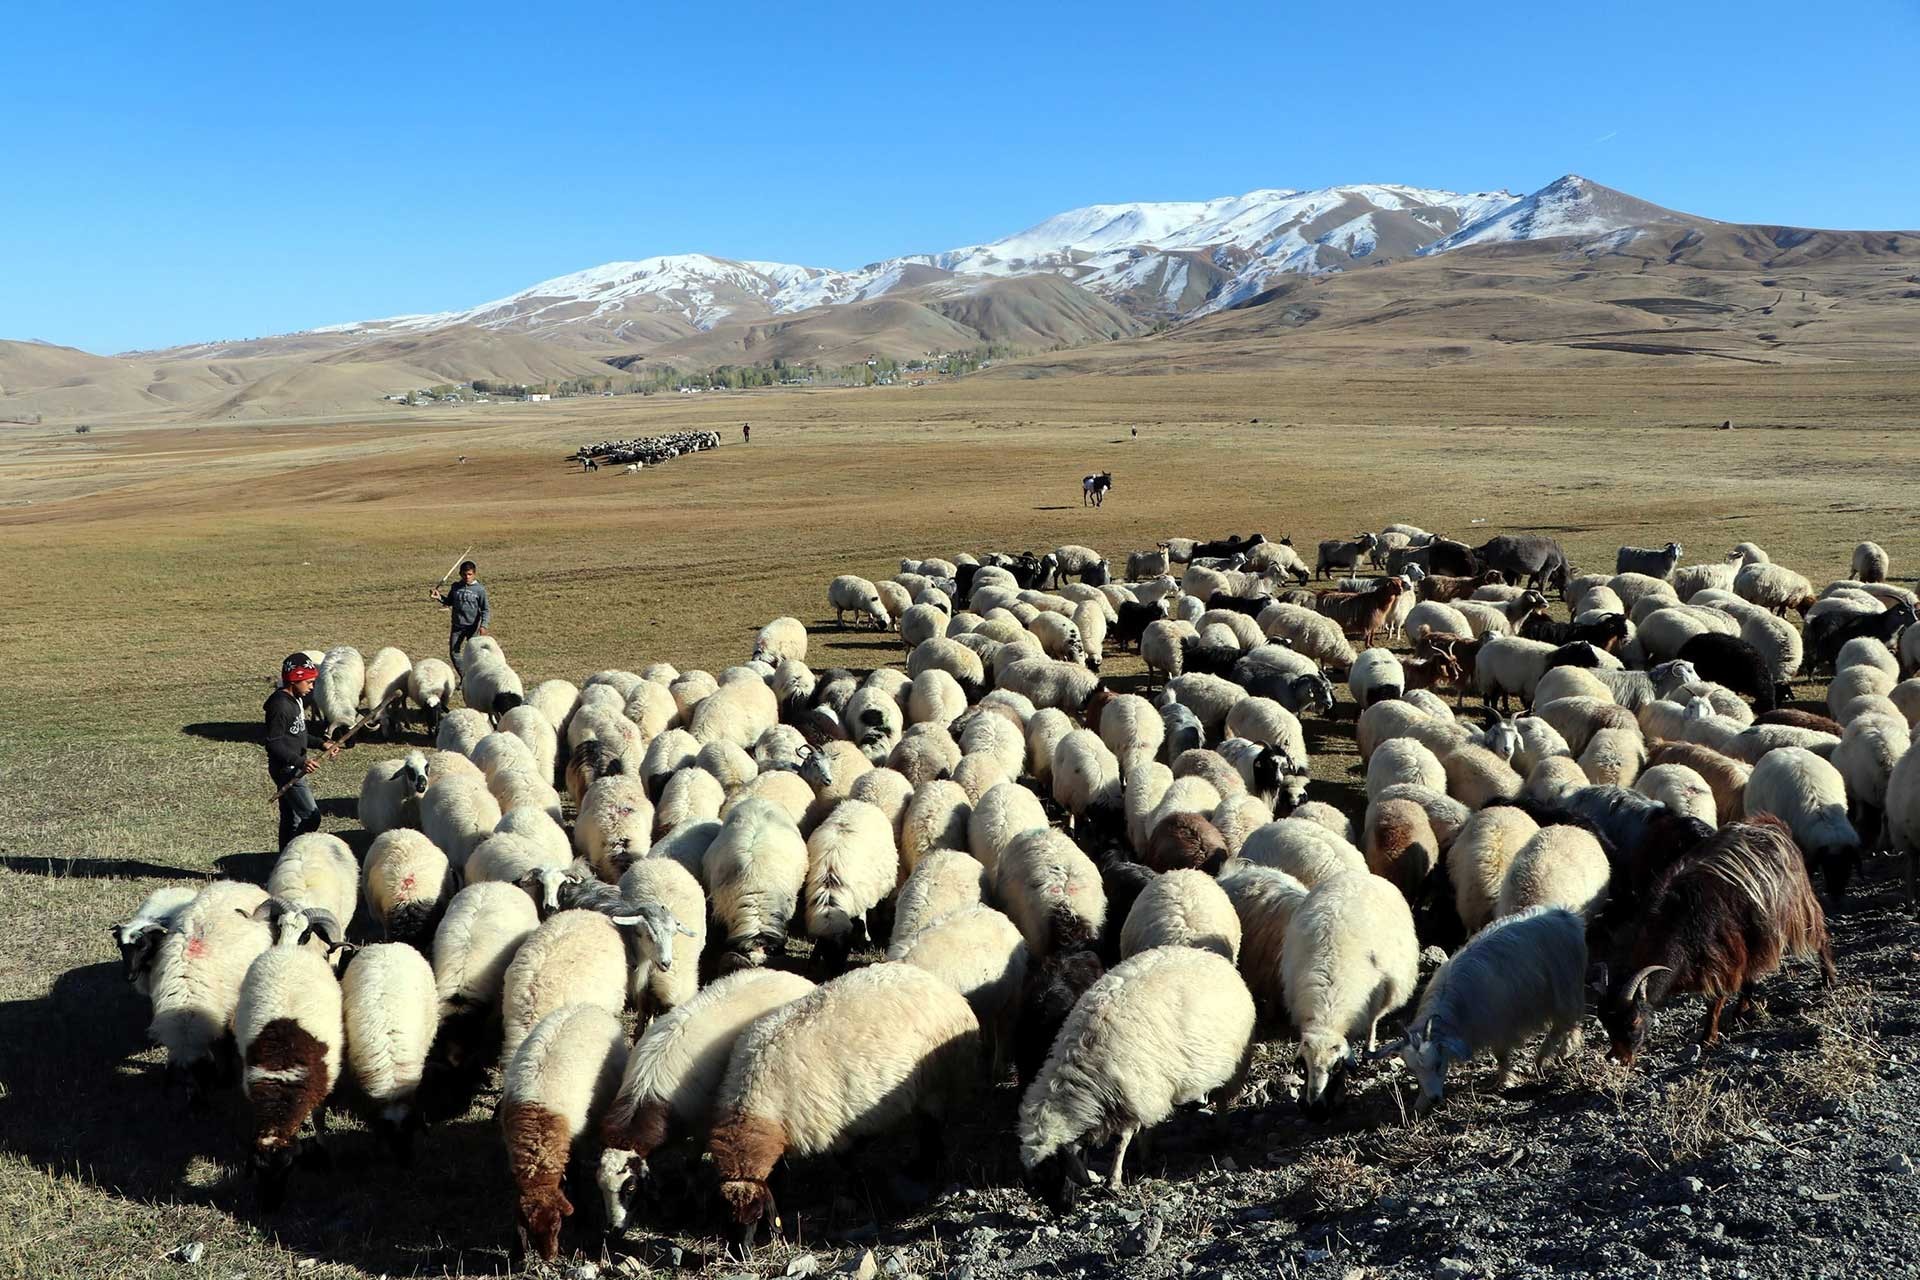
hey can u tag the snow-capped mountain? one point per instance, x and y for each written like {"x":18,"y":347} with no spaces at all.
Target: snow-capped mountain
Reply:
{"x":1159,"y":260}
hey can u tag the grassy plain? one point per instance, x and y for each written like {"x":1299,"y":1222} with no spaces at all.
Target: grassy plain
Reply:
{"x":156,"y":574}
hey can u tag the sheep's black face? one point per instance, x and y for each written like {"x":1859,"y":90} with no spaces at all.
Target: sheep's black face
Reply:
{"x":1626,"y":1023}
{"x":1052,"y":1181}
{"x":1840,"y":865}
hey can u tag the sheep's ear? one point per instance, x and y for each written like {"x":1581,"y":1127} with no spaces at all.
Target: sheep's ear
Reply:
{"x":1453,"y":1047}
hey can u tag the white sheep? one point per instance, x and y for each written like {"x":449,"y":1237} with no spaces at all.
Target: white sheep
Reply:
{"x":430,"y":688}
{"x":457,"y":813}
{"x":849,"y":1059}
{"x":385,"y":688}
{"x":1614,"y":757}
{"x":1404,"y":761}
{"x":197,"y":974}
{"x":1304,"y":849}
{"x":490,"y":685}
{"x":1773,"y":587}
{"x":554,"y":700}
{"x":317,"y":872}
{"x":1049,"y":683}
{"x":924,"y":753}
{"x":1870,"y":562}
{"x":1559,"y":866}
{"x":1006,"y":810}
{"x":691,"y":795}
{"x":673,"y":750}
{"x":338,"y":688}
{"x":754,"y":871}
{"x":1309,"y":633}
{"x":980,"y":954}
{"x":392,"y":1014}
{"x":1681,"y":789}
{"x":1351,"y":958}
{"x":1182,"y":908}
{"x":552,"y":1096}
{"x":1052,"y":891}
{"x":1145,"y":788}
{"x":1167,"y":1027}
{"x":1510,"y":666}
{"x":1478,"y":858}
{"x":1810,"y":795}
{"x":574,"y":957}
{"x":673,"y":1073}
{"x":781,"y":639}
{"x":1162,"y":646}
{"x":499,"y":752}
{"x":850,"y":593}
{"x":1092,"y":620}
{"x":852,"y":865}
{"x":1521,"y":975}
{"x":1376,"y":675}
{"x":390,"y":793}
{"x":406,"y":882}
{"x":1086,"y":780}
{"x":287,"y":1027}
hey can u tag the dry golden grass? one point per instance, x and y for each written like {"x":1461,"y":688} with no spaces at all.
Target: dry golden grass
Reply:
{"x":157,"y":574}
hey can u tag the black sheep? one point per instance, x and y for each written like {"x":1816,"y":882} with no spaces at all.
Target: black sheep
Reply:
{"x":1052,"y":991}
{"x":1134,"y":621}
{"x":1731,"y":661}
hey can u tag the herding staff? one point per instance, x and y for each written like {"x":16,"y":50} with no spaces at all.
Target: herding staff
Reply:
{"x":458,"y":561}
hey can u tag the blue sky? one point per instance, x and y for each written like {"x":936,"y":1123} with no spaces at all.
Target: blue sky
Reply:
{"x":183,"y":172}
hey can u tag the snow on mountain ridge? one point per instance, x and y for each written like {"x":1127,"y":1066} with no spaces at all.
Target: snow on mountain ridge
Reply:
{"x":1141,"y":252}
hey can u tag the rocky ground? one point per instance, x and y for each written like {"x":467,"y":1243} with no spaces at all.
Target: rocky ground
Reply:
{"x":1786,"y":1151}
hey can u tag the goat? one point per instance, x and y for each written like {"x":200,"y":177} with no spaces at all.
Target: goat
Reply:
{"x":1718,"y":921}
{"x":1361,"y":613}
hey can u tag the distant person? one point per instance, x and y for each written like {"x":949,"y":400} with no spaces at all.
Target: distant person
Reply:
{"x":287,"y":741}
{"x":746,"y":433}
{"x":471,"y":612}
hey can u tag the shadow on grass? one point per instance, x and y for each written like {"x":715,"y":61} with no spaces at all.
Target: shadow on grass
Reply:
{"x":97,"y":868}
{"x":80,"y":1103}
{"x":247,"y":731}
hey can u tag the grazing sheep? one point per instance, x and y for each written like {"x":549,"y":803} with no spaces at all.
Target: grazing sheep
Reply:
{"x":1732,"y":662}
{"x":1773,"y":588}
{"x":457,"y":813}
{"x":476,"y":940}
{"x":430,"y":688}
{"x":338,"y":689}
{"x":574,"y":957}
{"x":1681,"y":789}
{"x":1560,"y":866}
{"x":852,"y":865}
{"x":287,"y":1027}
{"x":1350,"y":958}
{"x":1521,"y":975}
{"x":754,"y":871}
{"x":197,"y":975}
{"x":140,"y":935}
{"x":1400,"y":845}
{"x":555,"y":1090}
{"x":1006,"y":810}
{"x":673,"y":1073}
{"x":1477,"y":860}
{"x":781,"y":639}
{"x":853,"y":1058}
{"x":1167,"y":1027}
{"x":385,"y":687}
{"x":407,"y":883}
{"x":1309,"y":633}
{"x":392,"y":1014}
{"x":1869,"y":749}
{"x":1376,"y":676}
{"x":1810,"y":796}
{"x":1870,"y":562}
{"x":1182,"y":908}
{"x":1404,"y":760}
{"x":1536,"y":558}
{"x":1266,"y":900}
{"x":849,"y":593}
{"x":979,"y":953}
{"x":615,"y":825}
{"x":1051,"y":890}
{"x":1614,"y":757}
{"x":318,"y":873}
{"x":1304,"y":849}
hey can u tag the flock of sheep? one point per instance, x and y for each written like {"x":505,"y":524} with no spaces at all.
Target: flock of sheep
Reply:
{"x":1111,"y":894}
{"x":643,"y":452}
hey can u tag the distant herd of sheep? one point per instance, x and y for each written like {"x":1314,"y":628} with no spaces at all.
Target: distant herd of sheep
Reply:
{"x":646,"y":451}
{"x":1114,"y":895}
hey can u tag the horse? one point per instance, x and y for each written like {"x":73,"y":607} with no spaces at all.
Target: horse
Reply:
{"x":1093,"y":488}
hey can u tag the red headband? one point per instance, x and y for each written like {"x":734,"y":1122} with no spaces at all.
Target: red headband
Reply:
{"x":300,"y":673}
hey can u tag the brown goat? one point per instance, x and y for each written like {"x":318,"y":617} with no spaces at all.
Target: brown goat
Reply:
{"x":1361,"y":613}
{"x":1801,"y":720}
{"x":1718,"y":921}
{"x":1430,"y":673}
{"x":1095,"y":704}
{"x":1443,"y":588}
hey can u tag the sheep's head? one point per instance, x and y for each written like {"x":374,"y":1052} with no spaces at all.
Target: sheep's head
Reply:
{"x":1427,"y":1056}
{"x":138,"y":941}
{"x":620,"y":1175}
{"x":1700,"y":707}
{"x":1326,"y":1060}
{"x":413,"y":772}
{"x":1292,"y":793}
{"x":816,"y":769}
{"x":1669,"y":676}
{"x":1627,"y":1014}
{"x":654,"y":926}
{"x":1675,"y":550}
{"x":878,"y":612}
{"x":1058,"y":1178}
{"x":1315,"y":692}
{"x":541,"y":1212}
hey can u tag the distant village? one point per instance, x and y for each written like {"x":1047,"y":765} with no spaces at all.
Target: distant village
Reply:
{"x":876,"y":371}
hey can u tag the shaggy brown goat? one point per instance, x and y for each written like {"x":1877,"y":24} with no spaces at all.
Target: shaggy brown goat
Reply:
{"x":1361,"y":613}
{"x":1443,"y":588}
{"x":1718,"y":921}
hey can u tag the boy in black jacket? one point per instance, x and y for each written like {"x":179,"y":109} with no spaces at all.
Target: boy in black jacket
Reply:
{"x":287,"y":740}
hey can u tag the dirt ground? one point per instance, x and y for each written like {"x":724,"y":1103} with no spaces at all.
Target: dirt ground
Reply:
{"x":156,"y":575}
